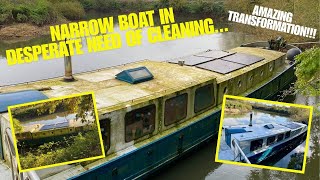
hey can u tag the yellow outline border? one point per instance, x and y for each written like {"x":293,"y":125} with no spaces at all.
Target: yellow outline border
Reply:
{"x":256,"y":165}
{"x":49,"y":100}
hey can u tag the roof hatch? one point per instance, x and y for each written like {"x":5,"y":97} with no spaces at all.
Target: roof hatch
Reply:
{"x":135,"y":75}
{"x":19,"y":97}
{"x":269,"y":126}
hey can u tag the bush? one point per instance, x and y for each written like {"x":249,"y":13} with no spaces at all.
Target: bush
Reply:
{"x":71,"y":10}
{"x":88,"y":4}
{"x":5,"y":12}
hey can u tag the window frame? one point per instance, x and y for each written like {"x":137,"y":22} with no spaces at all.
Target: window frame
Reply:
{"x":287,"y":136}
{"x":108,"y":127}
{"x":260,"y":146}
{"x":154,"y":122}
{"x":186,"y":108}
{"x":281,"y":138}
{"x":271,"y":142}
{"x":209,"y":105}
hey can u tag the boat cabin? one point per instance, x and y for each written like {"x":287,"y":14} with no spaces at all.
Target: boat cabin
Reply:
{"x":261,"y":136}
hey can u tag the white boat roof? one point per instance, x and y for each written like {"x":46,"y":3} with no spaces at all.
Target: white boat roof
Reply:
{"x":257,"y":131}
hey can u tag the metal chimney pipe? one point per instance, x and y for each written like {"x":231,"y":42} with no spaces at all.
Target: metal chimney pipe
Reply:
{"x":250,"y":124}
{"x":68,"y":66}
{"x":180,"y":63}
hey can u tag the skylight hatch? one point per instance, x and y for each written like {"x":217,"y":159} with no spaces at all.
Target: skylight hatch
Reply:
{"x":135,"y":75}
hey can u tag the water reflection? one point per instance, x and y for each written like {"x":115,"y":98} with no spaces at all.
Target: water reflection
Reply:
{"x":259,"y":117}
{"x":91,"y":61}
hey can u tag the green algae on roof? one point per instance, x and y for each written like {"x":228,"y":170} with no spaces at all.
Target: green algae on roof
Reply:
{"x":112,"y":94}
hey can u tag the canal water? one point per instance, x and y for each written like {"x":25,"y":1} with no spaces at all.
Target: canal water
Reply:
{"x":198,"y":164}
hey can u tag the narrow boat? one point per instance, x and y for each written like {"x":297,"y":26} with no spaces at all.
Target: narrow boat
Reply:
{"x":258,"y":142}
{"x":152,"y":112}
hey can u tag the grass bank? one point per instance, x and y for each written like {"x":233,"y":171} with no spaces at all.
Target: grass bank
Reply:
{"x":28,"y":18}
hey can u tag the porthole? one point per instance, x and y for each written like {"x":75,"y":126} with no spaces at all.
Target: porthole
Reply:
{"x":261,"y":73}
{"x":251,"y":78}
{"x":239,"y":83}
{"x":271,"y":67}
{"x":225,"y":90}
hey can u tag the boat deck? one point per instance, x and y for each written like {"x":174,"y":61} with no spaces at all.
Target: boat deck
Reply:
{"x":225,"y":152}
{"x":5,"y":171}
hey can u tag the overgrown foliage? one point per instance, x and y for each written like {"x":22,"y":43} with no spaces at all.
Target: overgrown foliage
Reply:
{"x":77,"y":147}
{"x":17,"y":125}
{"x":308,"y":72}
{"x":80,"y":105}
{"x":42,"y":12}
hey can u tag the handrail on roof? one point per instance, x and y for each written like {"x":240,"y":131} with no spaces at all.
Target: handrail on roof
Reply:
{"x":238,"y":151}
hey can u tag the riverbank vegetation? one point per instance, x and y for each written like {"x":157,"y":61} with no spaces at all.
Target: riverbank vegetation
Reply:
{"x":80,"y":105}
{"x":72,"y":148}
{"x":307,"y":72}
{"x":237,"y":107}
{"x":41,"y":12}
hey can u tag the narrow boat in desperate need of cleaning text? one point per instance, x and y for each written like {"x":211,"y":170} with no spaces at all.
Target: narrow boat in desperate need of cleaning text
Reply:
{"x":151,"y":112}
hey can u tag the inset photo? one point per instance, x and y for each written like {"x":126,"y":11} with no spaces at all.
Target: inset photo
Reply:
{"x":56,"y":132}
{"x":264,"y":134}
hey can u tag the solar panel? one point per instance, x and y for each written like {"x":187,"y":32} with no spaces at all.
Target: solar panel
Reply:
{"x":46,"y":127}
{"x":19,"y":97}
{"x":241,"y":58}
{"x":214,"y":54}
{"x":291,"y":125}
{"x":220,"y":66}
{"x":60,"y":125}
{"x":191,"y":60}
{"x":54,"y":126}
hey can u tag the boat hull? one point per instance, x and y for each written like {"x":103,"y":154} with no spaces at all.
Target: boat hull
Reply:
{"x":145,"y":160}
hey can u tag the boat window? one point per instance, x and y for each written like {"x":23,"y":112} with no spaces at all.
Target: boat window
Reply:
{"x":261,"y":73}
{"x":203,"y":98}
{"x":105,"y":132}
{"x":287,"y":135}
{"x":175,"y":109}
{"x":271,"y":140}
{"x":256,"y":144}
{"x":140,"y":122}
{"x":271,"y":67}
{"x":239,"y":83}
{"x":280,"y":137}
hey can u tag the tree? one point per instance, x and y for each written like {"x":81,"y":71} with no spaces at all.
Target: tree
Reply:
{"x":17,"y":125}
{"x":308,"y":72}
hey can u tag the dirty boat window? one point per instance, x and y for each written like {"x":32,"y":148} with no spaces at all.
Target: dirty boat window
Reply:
{"x":140,"y":122}
{"x":256,"y":144}
{"x":175,"y":109}
{"x":287,"y":135}
{"x":105,"y":132}
{"x":280,"y":137}
{"x":203,"y":98}
{"x":271,"y":140}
